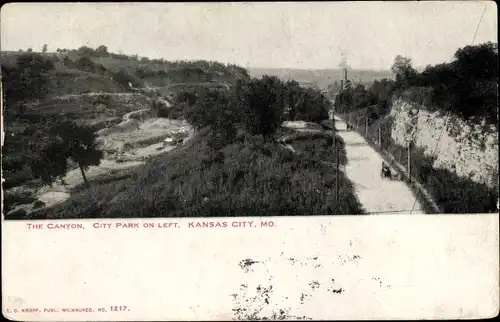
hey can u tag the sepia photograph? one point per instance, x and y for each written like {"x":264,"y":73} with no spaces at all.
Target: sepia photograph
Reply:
{"x":156,"y":118}
{"x":249,"y":161}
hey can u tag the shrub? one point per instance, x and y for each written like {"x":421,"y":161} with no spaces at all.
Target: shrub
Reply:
{"x":19,"y":198}
{"x":124,"y":77}
{"x":28,"y":79}
{"x":86,"y":64}
{"x":261,"y":104}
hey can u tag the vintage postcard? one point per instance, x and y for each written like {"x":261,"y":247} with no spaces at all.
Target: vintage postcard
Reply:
{"x":249,"y":161}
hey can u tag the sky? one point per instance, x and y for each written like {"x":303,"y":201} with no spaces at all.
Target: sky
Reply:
{"x":310,"y":35}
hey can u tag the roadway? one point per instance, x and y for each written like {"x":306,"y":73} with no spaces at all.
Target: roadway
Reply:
{"x":376,"y":194}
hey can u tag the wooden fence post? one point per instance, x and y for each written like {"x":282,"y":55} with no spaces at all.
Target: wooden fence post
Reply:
{"x":379,"y":137}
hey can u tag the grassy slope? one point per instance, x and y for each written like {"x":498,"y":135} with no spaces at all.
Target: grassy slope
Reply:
{"x":244,"y":178}
{"x":68,"y":81}
{"x":77,"y":82}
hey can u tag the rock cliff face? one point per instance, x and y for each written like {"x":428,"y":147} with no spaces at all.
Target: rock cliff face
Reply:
{"x":469,"y":150}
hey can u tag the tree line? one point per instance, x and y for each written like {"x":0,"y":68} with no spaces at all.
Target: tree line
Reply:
{"x":467,"y":86}
{"x":258,"y":106}
{"x":205,"y":65}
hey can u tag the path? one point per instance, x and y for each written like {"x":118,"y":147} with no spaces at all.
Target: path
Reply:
{"x":67,"y":96}
{"x":377,"y":195}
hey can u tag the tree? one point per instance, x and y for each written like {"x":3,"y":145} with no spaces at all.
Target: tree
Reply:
{"x":405,"y":73}
{"x":86,"y":64}
{"x":44,"y":49}
{"x":210,"y":108}
{"x":476,"y":69}
{"x":68,"y":62}
{"x":311,"y":106}
{"x":86,"y":51}
{"x":102,"y":51}
{"x":124,"y":77}
{"x":187,"y":97}
{"x":215,"y":110}
{"x":261,"y":103}
{"x":80,"y":145}
{"x":478,"y":62}
{"x":28,"y":79}
{"x":293,"y":97}
{"x":47,"y":159}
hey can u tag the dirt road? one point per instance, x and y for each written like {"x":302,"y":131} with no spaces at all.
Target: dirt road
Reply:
{"x":376,"y":194}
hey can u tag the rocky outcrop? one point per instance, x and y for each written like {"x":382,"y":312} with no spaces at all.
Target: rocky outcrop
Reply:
{"x":463,"y":147}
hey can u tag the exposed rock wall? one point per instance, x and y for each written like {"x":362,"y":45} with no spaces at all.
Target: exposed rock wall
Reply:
{"x":469,"y":150}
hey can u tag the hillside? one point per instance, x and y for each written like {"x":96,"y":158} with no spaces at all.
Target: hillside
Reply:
{"x":79,"y":71}
{"x":88,"y":88}
{"x":167,"y":133}
{"x":244,"y":178}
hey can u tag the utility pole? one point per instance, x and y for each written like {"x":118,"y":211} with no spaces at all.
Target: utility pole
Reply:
{"x":337,"y":178}
{"x":379,"y":137}
{"x":409,"y":160}
{"x":366,"y":126}
{"x":333,"y":132}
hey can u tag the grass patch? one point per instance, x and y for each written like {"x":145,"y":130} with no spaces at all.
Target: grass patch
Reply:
{"x":321,"y":148}
{"x":248,"y":177}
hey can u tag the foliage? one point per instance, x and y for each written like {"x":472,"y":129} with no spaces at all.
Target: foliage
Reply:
{"x":306,"y":104}
{"x":12,"y":199}
{"x":50,"y":148}
{"x":28,"y":79}
{"x":467,"y":86}
{"x":123,"y":77}
{"x":405,"y":73}
{"x":102,"y":51}
{"x":259,"y":105}
{"x":80,"y":144}
{"x":250,"y":177}
{"x":260,"y":102}
{"x":452,"y":193}
{"x":379,"y":93}
{"x":68,"y":62}
{"x":47,"y":158}
{"x":86,"y":64}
